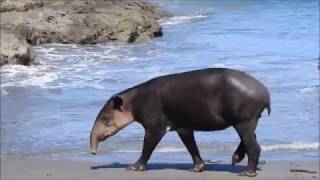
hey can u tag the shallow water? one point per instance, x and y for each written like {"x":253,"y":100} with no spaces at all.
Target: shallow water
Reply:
{"x":49,"y":109}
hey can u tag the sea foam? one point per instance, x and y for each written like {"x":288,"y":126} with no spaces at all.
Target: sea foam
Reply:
{"x":67,"y":66}
{"x":181,"y":19}
{"x":294,"y":146}
{"x":309,"y":89}
{"x":291,"y":146}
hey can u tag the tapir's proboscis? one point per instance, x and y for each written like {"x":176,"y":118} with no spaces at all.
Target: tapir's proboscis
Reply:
{"x":201,"y":100}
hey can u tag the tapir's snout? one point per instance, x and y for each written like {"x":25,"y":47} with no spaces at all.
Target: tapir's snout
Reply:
{"x":97,"y":134}
{"x":93,"y":144}
{"x":93,"y":152}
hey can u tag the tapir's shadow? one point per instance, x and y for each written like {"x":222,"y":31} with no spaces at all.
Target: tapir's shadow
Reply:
{"x":180,"y":166}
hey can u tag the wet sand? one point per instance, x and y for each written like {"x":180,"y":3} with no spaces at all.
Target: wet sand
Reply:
{"x":15,"y":167}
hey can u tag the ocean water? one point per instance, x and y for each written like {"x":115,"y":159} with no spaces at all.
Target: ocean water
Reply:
{"x":49,"y":109}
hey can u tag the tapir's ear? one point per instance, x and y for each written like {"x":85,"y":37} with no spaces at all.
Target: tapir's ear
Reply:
{"x":117,"y":102}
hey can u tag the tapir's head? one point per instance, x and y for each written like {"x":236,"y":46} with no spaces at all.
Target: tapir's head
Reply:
{"x":115,"y":115}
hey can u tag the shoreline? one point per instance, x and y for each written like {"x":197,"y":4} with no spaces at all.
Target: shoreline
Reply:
{"x":27,"y":167}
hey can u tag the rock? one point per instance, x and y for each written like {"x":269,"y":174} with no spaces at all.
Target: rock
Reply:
{"x":142,"y":38}
{"x":15,"y":5}
{"x":73,"y":21}
{"x":302,"y":170}
{"x":82,"y":21}
{"x":14,"y":49}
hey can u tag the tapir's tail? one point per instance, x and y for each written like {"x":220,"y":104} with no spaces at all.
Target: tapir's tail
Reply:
{"x":268,"y":103}
{"x":268,"y":106}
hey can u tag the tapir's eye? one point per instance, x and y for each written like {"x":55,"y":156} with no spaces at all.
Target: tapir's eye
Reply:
{"x":107,"y":121}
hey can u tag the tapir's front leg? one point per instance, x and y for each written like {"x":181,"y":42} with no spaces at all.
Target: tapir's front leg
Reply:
{"x":151,"y":140}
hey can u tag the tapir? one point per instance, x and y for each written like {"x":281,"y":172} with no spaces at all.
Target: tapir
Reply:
{"x":201,"y":100}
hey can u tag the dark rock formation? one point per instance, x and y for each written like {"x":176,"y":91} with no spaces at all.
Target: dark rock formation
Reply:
{"x":15,"y":49}
{"x":81,"y":21}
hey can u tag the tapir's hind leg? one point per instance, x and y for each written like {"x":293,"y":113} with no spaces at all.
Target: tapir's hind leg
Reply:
{"x":187,"y":137}
{"x":239,"y":154}
{"x":246,"y":130}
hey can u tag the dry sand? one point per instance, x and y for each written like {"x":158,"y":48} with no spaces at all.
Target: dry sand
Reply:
{"x":14,"y":167}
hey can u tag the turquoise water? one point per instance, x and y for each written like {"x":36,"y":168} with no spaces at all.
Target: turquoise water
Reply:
{"x":49,"y":109}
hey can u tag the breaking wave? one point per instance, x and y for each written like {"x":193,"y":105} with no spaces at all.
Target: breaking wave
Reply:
{"x":309,"y":89}
{"x":68,"y":66}
{"x":294,"y":146}
{"x":181,"y":19}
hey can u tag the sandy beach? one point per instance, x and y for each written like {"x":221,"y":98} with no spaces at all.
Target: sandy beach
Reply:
{"x":14,"y":167}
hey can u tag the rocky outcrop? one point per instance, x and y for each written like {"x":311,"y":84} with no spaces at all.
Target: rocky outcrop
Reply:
{"x":15,"y":49}
{"x":20,"y":6}
{"x":81,"y":21}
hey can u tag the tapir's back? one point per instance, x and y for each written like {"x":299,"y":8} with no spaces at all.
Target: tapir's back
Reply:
{"x":207,"y":99}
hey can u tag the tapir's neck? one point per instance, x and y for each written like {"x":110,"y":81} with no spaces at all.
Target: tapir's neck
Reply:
{"x":123,"y":119}
{"x":134,"y":98}
{"x":128,"y":96}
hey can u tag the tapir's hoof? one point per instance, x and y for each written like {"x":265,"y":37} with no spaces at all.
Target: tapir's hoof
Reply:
{"x":248,"y":173}
{"x":136,"y":167}
{"x":198,"y":167}
{"x":236,"y":159}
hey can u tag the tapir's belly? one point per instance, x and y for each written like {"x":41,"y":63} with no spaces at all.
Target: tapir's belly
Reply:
{"x":199,"y":123}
